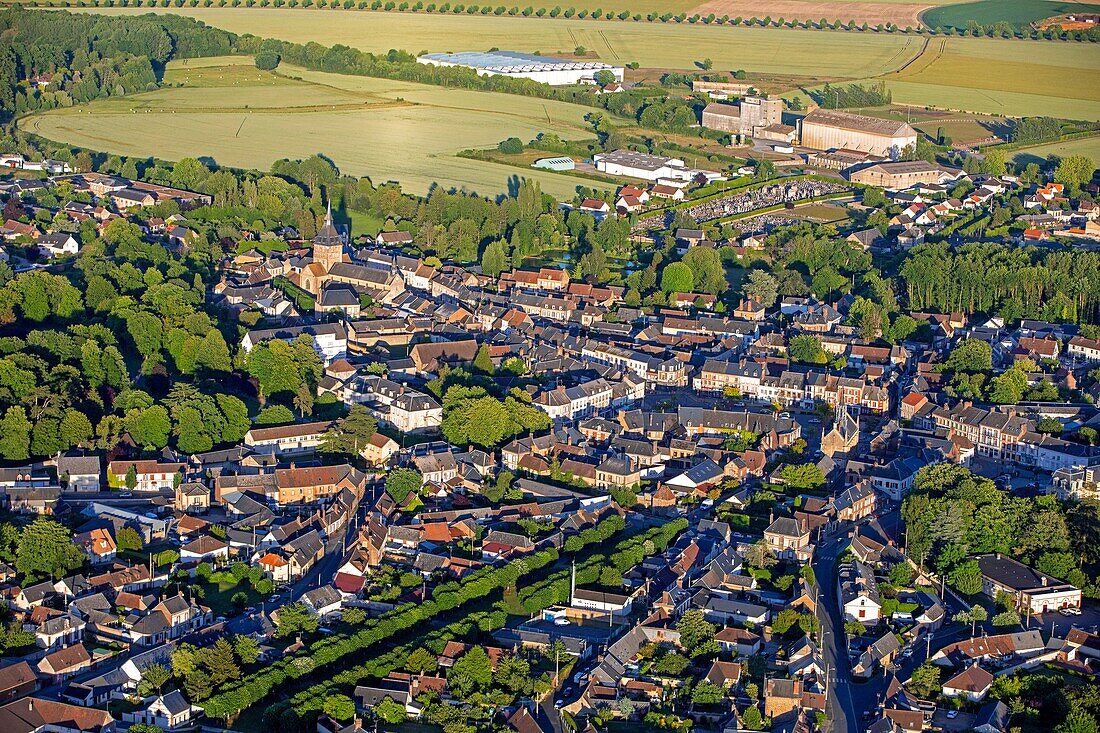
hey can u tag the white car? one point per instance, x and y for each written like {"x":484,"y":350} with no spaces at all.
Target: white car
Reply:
{"x":1070,"y":611}
{"x":952,"y":714}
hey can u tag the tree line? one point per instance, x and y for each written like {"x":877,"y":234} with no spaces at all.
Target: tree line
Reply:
{"x":1000,"y":29}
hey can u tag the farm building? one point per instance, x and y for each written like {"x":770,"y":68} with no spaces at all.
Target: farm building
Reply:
{"x":545,"y":69}
{"x":902,"y":175}
{"x":831,"y":130}
{"x":744,"y":117}
{"x":637,"y":165}
{"x":555,"y":164}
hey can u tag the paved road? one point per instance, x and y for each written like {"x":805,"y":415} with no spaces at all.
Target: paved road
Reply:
{"x":337,"y":549}
{"x":840,"y":709}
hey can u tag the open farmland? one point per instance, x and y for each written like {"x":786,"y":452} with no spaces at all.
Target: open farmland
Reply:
{"x":1020,"y":13}
{"x":388,"y":130}
{"x":1087,"y":146}
{"x":808,"y":53}
{"x":1000,"y":77}
{"x":981,"y":75}
{"x":899,"y":12}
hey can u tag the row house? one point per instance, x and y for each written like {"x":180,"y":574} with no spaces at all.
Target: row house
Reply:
{"x":752,"y":379}
{"x":553,"y":308}
{"x":667,"y":372}
{"x":150,"y":475}
{"x":396,"y":404}
{"x":994,"y":434}
{"x":288,"y":440}
{"x":1084,"y":349}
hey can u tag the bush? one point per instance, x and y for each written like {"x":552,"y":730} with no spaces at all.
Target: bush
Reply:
{"x":511,"y":146}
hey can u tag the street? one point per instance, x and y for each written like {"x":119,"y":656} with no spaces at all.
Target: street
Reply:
{"x":840,"y":710}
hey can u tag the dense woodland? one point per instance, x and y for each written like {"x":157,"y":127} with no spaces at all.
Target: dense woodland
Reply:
{"x":82,"y":57}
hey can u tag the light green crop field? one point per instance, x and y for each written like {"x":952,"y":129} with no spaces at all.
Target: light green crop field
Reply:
{"x":818,"y":54}
{"x":384,"y":129}
{"x":1089,"y":146}
{"x":999,"y":77}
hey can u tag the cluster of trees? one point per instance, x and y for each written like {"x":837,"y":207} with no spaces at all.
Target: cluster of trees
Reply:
{"x":202,"y":669}
{"x":1036,"y":129}
{"x":472,"y":414}
{"x":91,"y":56}
{"x":970,"y":366}
{"x":953,"y":513}
{"x":1015,"y":282}
{"x":852,"y":95}
{"x":328,"y":650}
{"x":42,"y":549}
{"x":1044,"y":698}
{"x":591,"y":570}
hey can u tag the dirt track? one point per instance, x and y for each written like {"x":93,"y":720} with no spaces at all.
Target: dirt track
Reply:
{"x":903,"y":14}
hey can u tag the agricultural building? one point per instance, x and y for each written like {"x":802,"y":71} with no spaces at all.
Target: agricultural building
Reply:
{"x":745,"y":117}
{"x":831,"y":130}
{"x":902,"y":175}
{"x":545,"y":69}
{"x":555,"y":164}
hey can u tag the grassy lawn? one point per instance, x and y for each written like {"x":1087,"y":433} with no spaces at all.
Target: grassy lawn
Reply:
{"x":822,"y":213}
{"x":1088,"y":146}
{"x":217,"y":596}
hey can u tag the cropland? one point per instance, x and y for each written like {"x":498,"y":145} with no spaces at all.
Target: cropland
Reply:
{"x":1087,"y":146}
{"x":228,"y":110}
{"x":979,"y":75}
{"x":1020,"y":13}
{"x":898,"y":12}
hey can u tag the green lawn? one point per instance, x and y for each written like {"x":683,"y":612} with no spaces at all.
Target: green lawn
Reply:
{"x":218,"y":597}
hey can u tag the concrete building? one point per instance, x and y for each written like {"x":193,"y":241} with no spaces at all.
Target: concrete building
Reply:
{"x":832,"y":130}
{"x":545,"y":69}
{"x":903,"y":174}
{"x":745,"y":117}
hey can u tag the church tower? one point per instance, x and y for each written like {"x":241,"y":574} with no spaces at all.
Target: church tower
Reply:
{"x":328,"y":246}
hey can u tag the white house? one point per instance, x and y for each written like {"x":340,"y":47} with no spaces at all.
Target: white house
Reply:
{"x":858,"y":593}
{"x":58,"y":244}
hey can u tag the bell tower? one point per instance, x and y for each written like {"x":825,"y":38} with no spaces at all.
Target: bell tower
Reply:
{"x":328,"y":246}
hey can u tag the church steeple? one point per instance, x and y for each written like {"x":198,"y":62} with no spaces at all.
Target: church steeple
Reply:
{"x":328,"y":245}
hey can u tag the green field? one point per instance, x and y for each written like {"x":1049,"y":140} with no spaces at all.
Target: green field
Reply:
{"x":1003,"y":78}
{"x":1089,"y":146}
{"x":387,"y":130}
{"x":986,"y":12}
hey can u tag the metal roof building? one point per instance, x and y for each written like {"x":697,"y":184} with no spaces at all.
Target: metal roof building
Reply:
{"x":545,"y":69}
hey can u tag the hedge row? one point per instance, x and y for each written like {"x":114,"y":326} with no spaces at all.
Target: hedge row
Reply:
{"x":628,"y":553}
{"x":255,"y":687}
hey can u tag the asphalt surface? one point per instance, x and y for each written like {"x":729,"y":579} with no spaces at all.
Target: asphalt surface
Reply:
{"x":841,"y":711}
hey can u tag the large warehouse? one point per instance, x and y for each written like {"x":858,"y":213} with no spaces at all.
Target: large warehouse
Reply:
{"x":548,"y":70}
{"x":827,"y":129}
